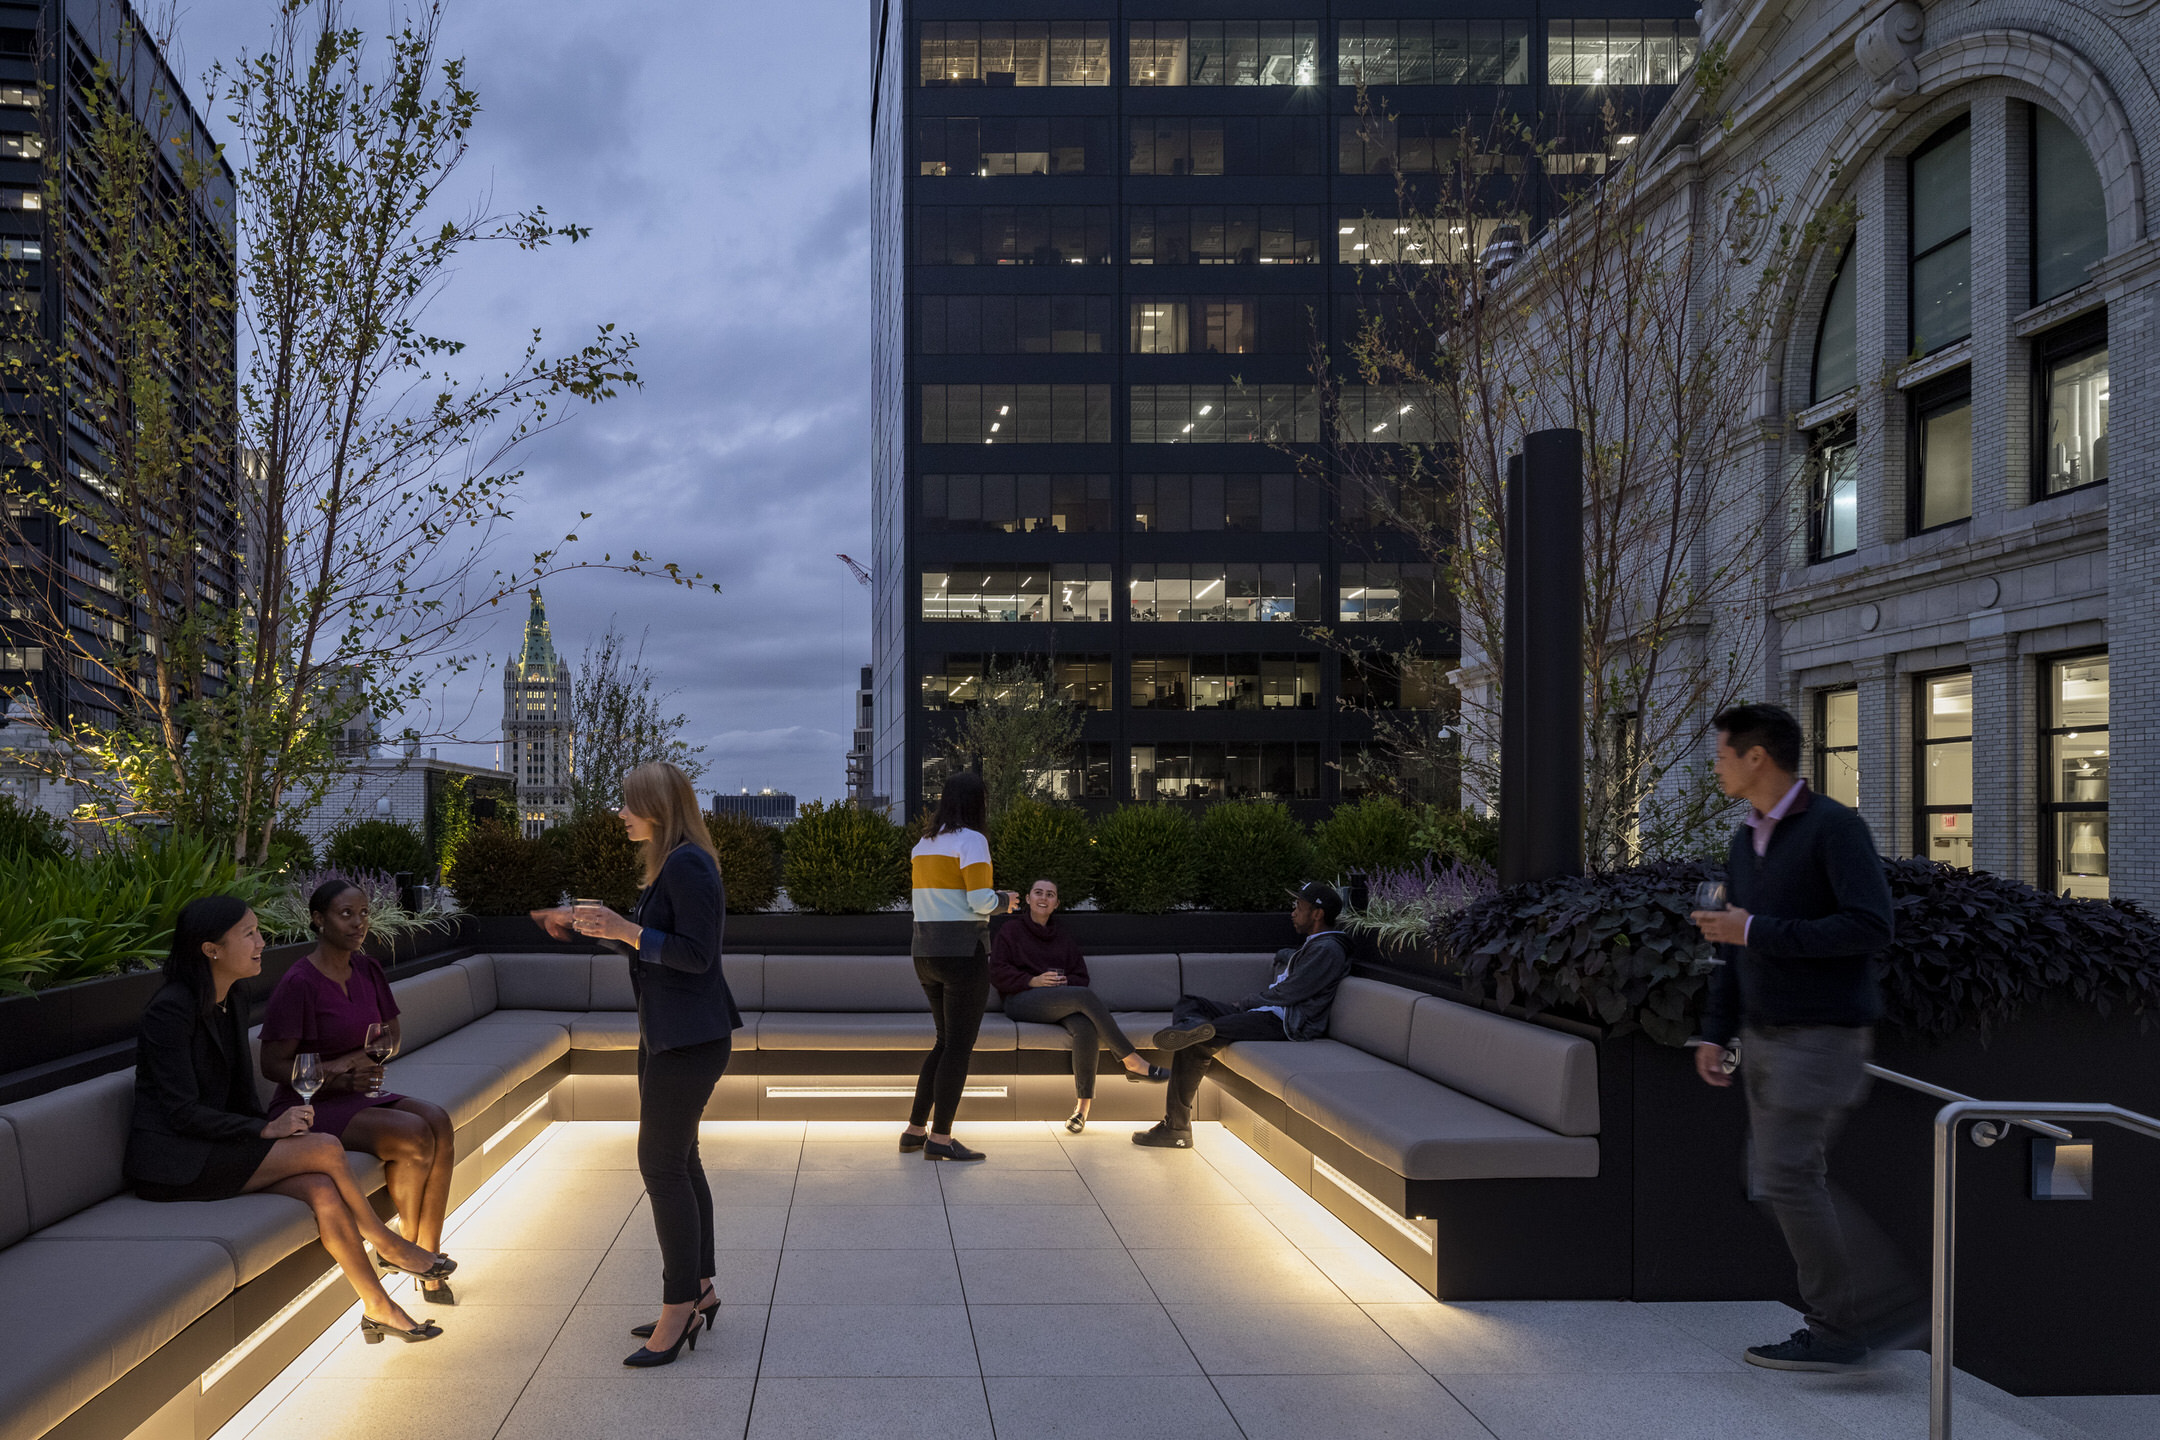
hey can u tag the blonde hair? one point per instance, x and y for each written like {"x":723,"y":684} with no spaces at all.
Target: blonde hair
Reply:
{"x":659,"y":792}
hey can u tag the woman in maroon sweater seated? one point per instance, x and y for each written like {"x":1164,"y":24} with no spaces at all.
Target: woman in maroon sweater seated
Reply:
{"x":1043,"y":977}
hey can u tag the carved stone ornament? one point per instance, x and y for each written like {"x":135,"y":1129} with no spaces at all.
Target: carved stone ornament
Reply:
{"x":1747,"y":217}
{"x":1886,"y":50}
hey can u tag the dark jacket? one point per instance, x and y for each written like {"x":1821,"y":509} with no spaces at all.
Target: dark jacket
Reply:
{"x":1023,"y":950}
{"x":682,"y":994}
{"x":1821,"y":916}
{"x":1310,"y":975}
{"x":194,"y":1086}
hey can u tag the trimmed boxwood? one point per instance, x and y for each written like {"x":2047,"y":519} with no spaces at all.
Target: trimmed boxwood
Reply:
{"x":1373,"y":834}
{"x":1033,"y":841}
{"x":380,"y":845}
{"x":1248,"y":855}
{"x":747,"y":866}
{"x":1144,"y":859}
{"x":603,"y":861}
{"x":845,"y":861}
{"x":500,"y":872}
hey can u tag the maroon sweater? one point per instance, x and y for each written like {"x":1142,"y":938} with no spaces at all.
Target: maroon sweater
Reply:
{"x":1023,"y":950}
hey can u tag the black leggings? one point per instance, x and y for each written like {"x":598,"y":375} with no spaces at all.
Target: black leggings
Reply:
{"x":673,"y":1086}
{"x":959,"y":988}
{"x":1083,"y":1014}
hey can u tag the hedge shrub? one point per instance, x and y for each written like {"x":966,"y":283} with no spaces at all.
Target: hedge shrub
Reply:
{"x":1373,"y":834}
{"x":1248,"y":855}
{"x":380,"y":845}
{"x":1452,"y":836}
{"x":604,"y":863}
{"x":748,"y":867}
{"x":500,"y":872}
{"x":1033,"y":840}
{"x":1144,"y":859}
{"x":845,"y":861}
{"x":30,"y":833}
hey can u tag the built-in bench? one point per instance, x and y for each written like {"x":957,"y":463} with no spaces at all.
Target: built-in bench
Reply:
{"x":1452,"y":1138}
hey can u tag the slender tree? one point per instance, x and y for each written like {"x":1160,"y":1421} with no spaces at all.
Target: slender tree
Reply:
{"x":619,"y":720}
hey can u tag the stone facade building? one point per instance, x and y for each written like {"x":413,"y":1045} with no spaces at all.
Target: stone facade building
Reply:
{"x":1957,"y":442}
{"x":537,"y":726}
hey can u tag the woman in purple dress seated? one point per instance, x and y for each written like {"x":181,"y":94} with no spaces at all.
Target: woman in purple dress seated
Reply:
{"x":324,"y":1005}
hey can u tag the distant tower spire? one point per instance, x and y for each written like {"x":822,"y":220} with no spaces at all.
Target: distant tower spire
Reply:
{"x":536,"y":725}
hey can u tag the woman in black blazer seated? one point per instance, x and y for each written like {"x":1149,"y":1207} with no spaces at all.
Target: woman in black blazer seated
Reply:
{"x":686,"y":1021}
{"x":199,"y":1131}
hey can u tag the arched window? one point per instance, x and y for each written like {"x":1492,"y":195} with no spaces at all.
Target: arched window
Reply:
{"x":2069,"y":216}
{"x":1837,"y":361}
{"x":1941,"y":214}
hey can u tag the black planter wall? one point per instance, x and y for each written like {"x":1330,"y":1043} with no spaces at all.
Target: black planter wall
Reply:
{"x":887,"y":933}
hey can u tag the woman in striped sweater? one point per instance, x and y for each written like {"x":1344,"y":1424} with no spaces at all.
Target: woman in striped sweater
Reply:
{"x":953,"y":906}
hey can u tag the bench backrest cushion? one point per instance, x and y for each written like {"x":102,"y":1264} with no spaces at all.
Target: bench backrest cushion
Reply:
{"x":611,"y":983}
{"x":1226,"y":977}
{"x":480,"y":978}
{"x":874,"y":983}
{"x":543,"y":982}
{"x":745,"y":980}
{"x":1374,"y":1017}
{"x":1542,"y":1075}
{"x":70,"y":1144}
{"x":14,"y":1200}
{"x":433,"y":1004}
{"x":1135,"y":982}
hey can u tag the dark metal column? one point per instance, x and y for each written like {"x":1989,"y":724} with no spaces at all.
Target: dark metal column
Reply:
{"x":1541,"y":719}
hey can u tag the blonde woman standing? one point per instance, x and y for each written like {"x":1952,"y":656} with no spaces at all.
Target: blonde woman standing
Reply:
{"x":953,"y":904}
{"x":686,"y":1022}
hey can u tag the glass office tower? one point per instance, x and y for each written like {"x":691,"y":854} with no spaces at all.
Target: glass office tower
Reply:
{"x":1106,"y":240}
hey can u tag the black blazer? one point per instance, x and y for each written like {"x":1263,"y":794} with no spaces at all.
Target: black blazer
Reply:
{"x":194,"y":1086}
{"x":683,"y":997}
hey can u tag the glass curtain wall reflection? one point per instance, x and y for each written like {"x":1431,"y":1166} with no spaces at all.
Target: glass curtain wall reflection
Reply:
{"x":2074,"y":814}
{"x":1945,"y":821}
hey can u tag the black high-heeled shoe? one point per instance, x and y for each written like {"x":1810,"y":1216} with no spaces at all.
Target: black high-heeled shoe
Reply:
{"x":442,"y":1269}
{"x":708,"y":1307}
{"x":373,"y":1331}
{"x":1155,"y":1075}
{"x":932,"y":1150}
{"x":439,"y":1293}
{"x":1077,"y":1121}
{"x":644,"y":1359}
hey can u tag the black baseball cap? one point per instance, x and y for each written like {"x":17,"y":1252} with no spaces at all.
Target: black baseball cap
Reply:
{"x":1327,"y":897}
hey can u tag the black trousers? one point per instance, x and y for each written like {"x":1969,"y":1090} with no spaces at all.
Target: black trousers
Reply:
{"x":673,"y":1087}
{"x":959,"y":988}
{"x":1188,"y":1067}
{"x":1082,"y":1012}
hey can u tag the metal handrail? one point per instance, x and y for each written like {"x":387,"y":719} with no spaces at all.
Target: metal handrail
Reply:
{"x":1987,"y":1132}
{"x":1944,"y":1298}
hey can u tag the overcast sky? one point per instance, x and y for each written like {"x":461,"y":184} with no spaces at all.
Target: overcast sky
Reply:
{"x":729,"y":200}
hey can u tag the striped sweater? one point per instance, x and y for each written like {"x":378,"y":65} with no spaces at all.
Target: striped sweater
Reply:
{"x":953,"y":898}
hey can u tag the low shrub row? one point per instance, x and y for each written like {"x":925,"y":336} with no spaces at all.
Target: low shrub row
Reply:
{"x":495,"y":870}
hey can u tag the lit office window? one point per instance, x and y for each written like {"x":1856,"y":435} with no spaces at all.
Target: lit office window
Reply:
{"x":2075,"y":800}
{"x":961,"y":682}
{"x":1221,"y":324}
{"x":1941,"y":214}
{"x":1944,"y":724}
{"x":1224,"y":414}
{"x":2074,"y":390}
{"x":1016,"y":414}
{"x":1226,"y":770}
{"x":1017,"y":504}
{"x":1619,"y":52}
{"x":1375,"y":682}
{"x":1387,"y":591}
{"x":1004,"y":53}
{"x":1834,"y":485}
{"x":1411,"y":240}
{"x":1065,"y":593}
{"x":1837,"y":744}
{"x":1225,"y":682}
{"x":1432,"y":52}
{"x":1942,"y":464}
{"x":1016,"y":325}
{"x":1223,"y":145}
{"x":21,"y":145}
{"x":1205,"y":590}
{"x":1013,"y":235}
{"x":1389,"y":414}
{"x":1837,"y":351}
{"x":1234,"y":504}
{"x":1222,"y":234}
{"x":1223,"y":52}
{"x":2069,"y":213}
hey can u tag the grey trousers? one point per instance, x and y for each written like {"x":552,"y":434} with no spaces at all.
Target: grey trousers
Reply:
{"x":1802,"y":1081}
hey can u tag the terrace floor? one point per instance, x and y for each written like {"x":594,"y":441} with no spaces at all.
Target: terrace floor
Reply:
{"x":1067,"y":1287}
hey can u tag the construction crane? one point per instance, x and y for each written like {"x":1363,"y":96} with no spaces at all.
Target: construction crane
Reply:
{"x":861,"y":575}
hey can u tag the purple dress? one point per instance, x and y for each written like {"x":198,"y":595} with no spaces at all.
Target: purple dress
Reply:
{"x":311,"y":1009}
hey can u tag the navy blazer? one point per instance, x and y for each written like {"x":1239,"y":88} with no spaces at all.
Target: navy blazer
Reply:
{"x":194,"y":1086}
{"x":682,"y":994}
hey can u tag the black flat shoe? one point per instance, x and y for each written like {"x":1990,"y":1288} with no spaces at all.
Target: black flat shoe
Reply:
{"x":373,"y":1331}
{"x":1077,"y":1122}
{"x":909,"y":1144}
{"x":442,"y":1269}
{"x":1156,"y":1075}
{"x":708,"y":1309}
{"x":955,"y":1151}
{"x":1197,"y":1033}
{"x":1164,"y":1136}
{"x":644,"y":1359}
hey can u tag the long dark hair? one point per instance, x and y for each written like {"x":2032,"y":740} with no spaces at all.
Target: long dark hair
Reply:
{"x":201,"y":922}
{"x":965,"y":805}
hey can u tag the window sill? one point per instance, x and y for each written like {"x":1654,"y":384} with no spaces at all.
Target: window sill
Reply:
{"x":2081,"y":301}
{"x":1837,"y":407}
{"x":1942,"y":362}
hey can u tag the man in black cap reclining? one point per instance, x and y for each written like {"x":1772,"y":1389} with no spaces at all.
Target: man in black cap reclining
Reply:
{"x":1294,"y":1007}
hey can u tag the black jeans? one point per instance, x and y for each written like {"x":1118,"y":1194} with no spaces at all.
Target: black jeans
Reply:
{"x":673,"y":1086}
{"x":959,"y":988}
{"x":1188,"y":1067}
{"x":1082,"y":1012}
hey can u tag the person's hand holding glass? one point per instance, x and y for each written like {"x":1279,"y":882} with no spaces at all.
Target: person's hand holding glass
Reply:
{"x":1721,"y":922}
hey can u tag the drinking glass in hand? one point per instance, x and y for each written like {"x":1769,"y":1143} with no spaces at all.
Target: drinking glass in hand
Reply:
{"x":380,"y":1045}
{"x":307,"y":1076}
{"x":1710,"y":895}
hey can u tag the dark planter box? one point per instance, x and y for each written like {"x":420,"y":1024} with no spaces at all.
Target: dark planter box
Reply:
{"x":887,"y":933}
{"x":2054,"y":1297}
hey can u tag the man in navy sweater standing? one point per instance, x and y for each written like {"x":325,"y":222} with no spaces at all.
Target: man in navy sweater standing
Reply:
{"x":1809,"y":915}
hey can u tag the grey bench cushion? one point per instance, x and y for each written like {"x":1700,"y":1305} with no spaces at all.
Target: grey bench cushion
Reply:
{"x":1544,"y":1076}
{"x":79,"y":1314}
{"x":480,"y":980}
{"x":432,"y":1005}
{"x":1374,"y":1017}
{"x":1425,"y":1131}
{"x":519,"y":1051}
{"x":257,"y":1231}
{"x":560,"y":1019}
{"x":1227,"y":978}
{"x":745,"y":980}
{"x":841,"y":1030}
{"x":1135,"y":982}
{"x":610,"y":1030}
{"x":611,"y":988}
{"x":14,"y":1199}
{"x":875,"y":984}
{"x":72,"y":1142}
{"x":464,"y":1090}
{"x":1271,"y":1064}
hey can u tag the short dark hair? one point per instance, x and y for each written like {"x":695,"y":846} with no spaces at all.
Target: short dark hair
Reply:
{"x":1770,"y":726}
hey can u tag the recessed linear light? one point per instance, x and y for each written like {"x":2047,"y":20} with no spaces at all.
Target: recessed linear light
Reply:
{"x":1371,"y":1202}
{"x":872,"y":1092}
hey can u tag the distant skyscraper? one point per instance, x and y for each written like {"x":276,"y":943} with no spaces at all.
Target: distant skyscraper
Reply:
{"x":536,"y":725}
{"x":858,"y":757}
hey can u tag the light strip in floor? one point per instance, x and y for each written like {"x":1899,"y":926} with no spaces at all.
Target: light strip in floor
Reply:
{"x":872,"y":1092}
{"x":1373,"y":1203}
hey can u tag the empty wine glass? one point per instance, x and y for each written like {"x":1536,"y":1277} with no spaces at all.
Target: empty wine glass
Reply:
{"x":381,"y":1044}
{"x":1710,"y":895}
{"x":307,"y":1076}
